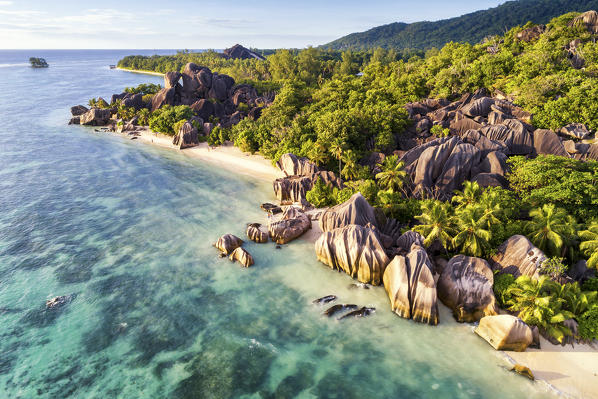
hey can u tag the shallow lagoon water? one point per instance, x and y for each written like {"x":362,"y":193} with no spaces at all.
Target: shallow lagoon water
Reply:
{"x":128,"y":229}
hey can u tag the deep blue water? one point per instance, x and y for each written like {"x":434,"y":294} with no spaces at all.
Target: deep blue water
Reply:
{"x":127,"y":228}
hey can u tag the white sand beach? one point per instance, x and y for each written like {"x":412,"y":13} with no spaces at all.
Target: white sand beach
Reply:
{"x":140,"y":71}
{"x":572,"y":371}
{"x":227,"y":156}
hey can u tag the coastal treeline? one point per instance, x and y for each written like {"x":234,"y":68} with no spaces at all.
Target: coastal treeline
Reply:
{"x":337,"y":108}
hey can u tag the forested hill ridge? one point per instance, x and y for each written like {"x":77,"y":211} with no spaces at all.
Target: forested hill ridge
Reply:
{"x":471,"y":28}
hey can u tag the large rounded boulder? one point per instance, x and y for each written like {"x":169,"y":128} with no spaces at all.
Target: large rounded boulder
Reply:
{"x":228,"y":243}
{"x":546,"y":142}
{"x":356,"y":210}
{"x":293,"y":223}
{"x":505,"y":332}
{"x":409,"y":283}
{"x":186,"y":137}
{"x":354,"y":249}
{"x":465,"y":286}
{"x":518,"y":256}
{"x":255,"y":234}
{"x":242,"y":256}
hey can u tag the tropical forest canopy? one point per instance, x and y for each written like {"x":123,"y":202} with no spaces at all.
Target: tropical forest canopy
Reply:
{"x":470,"y":28}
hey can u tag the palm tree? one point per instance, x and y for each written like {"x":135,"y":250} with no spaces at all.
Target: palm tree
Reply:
{"x":436,"y":223}
{"x":537,"y":305}
{"x":392,"y":177}
{"x":336,"y":148}
{"x":551,"y":229}
{"x":470,"y":194}
{"x":317,"y":154}
{"x":589,"y":245}
{"x":474,"y":237}
{"x":351,"y":170}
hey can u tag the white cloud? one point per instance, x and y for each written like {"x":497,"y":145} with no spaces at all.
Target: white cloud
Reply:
{"x":5,"y":3}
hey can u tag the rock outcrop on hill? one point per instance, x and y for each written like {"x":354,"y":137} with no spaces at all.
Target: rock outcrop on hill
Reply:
{"x":239,"y":52}
{"x":354,"y":249}
{"x":480,"y":125}
{"x":409,"y":283}
{"x":465,"y":286}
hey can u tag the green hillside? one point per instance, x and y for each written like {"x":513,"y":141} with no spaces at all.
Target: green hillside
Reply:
{"x":470,"y":28}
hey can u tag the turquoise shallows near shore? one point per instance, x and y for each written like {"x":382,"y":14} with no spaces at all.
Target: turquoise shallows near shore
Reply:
{"x":128,"y":229}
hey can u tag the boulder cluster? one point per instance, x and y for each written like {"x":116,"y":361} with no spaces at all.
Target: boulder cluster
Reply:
{"x":484,"y":132}
{"x":215,"y":99}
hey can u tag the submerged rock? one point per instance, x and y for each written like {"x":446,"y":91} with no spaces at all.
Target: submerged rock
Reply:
{"x":325,"y":299}
{"x":518,"y":256}
{"x":293,"y":224}
{"x":355,"y":211}
{"x":409,"y":283}
{"x":242,"y":256}
{"x":354,"y":249}
{"x":59,"y":301}
{"x":505,"y":332}
{"x":465,"y":286}
{"x":334,"y":309}
{"x":228,"y":243}
{"x":362,"y":312}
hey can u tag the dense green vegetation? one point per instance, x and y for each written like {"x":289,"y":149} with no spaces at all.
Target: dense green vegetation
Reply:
{"x":471,"y":28}
{"x":38,"y":62}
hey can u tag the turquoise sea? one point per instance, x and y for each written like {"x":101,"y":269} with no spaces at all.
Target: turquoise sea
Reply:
{"x":127,"y":230}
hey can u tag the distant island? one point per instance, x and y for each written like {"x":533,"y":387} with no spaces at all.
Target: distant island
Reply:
{"x":38,"y":62}
{"x":470,"y":28}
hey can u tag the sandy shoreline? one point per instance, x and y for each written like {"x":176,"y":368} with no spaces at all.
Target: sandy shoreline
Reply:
{"x":140,"y":71}
{"x":571,"y":371}
{"x":228,"y":157}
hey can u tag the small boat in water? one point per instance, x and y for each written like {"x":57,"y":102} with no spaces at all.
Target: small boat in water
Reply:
{"x":112,"y":66}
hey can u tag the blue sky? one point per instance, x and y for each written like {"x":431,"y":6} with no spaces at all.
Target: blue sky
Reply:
{"x":149,"y":24}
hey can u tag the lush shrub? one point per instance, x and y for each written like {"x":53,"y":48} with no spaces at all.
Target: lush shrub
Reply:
{"x":502,"y":281}
{"x":320,"y":195}
{"x":570,"y":183}
{"x":144,"y":88}
{"x":588,"y":324}
{"x":590,"y":284}
{"x":553,"y":267}
{"x":438,"y":131}
{"x":164,"y":119}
